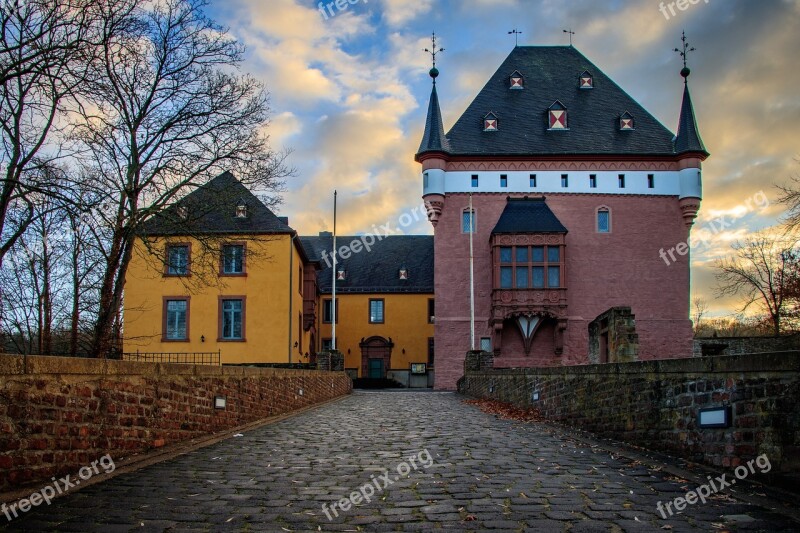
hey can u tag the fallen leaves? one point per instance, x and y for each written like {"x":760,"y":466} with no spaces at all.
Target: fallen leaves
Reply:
{"x":506,"y":410}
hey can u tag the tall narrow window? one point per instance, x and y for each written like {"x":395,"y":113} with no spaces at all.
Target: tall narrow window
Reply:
{"x":474,"y":180}
{"x":503,"y":180}
{"x":233,"y":259}
{"x":506,"y":268}
{"x":327,"y":311}
{"x":468,"y":223}
{"x":176,"y":319}
{"x":621,"y":179}
{"x":533,"y":180}
{"x":376,"y":311}
{"x":651,"y":181}
{"x":178,"y":259}
{"x":603,"y":220}
{"x":565,"y":180}
{"x":592,"y":181}
{"x":232,"y":319}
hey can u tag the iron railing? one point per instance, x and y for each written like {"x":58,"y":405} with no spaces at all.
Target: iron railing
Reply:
{"x":186,"y":358}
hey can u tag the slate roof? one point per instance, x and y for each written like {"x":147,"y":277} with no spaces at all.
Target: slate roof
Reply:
{"x":688,"y":138}
{"x":434,"y":140}
{"x":376,"y":271}
{"x":528,"y":215}
{"x":551,"y":73}
{"x":211,"y":209}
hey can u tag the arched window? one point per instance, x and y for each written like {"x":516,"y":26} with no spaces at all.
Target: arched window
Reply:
{"x":603,"y":220}
{"x":468,"y":222}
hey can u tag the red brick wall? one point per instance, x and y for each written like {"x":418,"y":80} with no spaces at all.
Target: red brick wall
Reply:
{"x":58,"y":414}
{"x":622,"y":268}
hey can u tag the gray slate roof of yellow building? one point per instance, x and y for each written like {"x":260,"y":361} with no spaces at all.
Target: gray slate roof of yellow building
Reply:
{"x":376,"y":271}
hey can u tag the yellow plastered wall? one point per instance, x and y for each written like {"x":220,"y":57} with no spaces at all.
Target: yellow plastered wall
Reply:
{"x":405,"y":322}
{"x":265,"y":288}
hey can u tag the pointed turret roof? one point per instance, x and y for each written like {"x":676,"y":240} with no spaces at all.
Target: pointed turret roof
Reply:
{"x":688,"y":138}
{"x":434,"y":139}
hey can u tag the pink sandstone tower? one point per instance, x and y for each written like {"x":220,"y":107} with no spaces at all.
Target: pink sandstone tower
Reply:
{"x":582,"y":207}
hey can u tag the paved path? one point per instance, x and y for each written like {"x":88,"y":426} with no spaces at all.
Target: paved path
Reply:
{"x":484,"y":474}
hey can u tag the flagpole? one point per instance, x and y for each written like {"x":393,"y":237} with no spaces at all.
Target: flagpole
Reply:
{"x":333,"y":277}
{"x":471,"y":276}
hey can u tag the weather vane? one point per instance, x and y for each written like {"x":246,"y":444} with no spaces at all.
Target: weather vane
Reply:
{"x":516,"y":34}
{"x":433,"y":50}
{"x":683,"y":53}
{"x":571,"y":33}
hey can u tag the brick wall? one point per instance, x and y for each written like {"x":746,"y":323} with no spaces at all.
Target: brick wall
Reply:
{"x":654,"y":404}
{"x":58,"y":414}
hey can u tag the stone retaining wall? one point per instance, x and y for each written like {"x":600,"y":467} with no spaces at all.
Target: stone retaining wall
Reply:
{"x":58,"y":414}
{"x":655,"y":404}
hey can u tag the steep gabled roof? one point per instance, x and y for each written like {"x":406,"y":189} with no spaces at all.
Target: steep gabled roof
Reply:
{"x":688,"y":138}
{"x":211,"y":209}
{"x":377,"y":270}
{"x":552,"y":74}
{"x":528,"y":215}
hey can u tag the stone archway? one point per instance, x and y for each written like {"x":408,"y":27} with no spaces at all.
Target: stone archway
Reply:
{"x":376,"y":356}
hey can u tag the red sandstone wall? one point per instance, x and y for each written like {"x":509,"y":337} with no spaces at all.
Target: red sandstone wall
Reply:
{"x":58,"y":414}
{"x":622,"y":268}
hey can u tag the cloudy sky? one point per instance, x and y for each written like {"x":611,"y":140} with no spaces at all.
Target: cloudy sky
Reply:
{"x":349,"y":93}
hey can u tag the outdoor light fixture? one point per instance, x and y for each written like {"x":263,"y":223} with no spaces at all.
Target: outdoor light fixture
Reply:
{"x":714,"y":417}
{"x":220,"y":402}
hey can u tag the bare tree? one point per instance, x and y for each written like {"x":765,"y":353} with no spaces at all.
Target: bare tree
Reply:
{"x":167,"y":111}
{"x":700,"y":307}
{"x":763,"y":270}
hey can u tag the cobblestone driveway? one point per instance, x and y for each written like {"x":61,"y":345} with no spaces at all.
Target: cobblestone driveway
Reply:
{"x":487,"y":474}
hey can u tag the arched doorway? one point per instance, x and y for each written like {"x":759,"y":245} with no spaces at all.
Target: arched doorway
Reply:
{"x":376,"y":355}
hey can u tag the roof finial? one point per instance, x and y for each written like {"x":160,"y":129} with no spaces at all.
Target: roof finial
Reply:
{"x":685,"y":71}
{"x":571,"y":33}
{"x":434,"y":72}
{"x":516,"y":34}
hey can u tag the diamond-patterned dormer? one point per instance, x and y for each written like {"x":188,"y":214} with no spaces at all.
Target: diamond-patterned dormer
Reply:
{"x":557,"y":116}
{"x":626,"y":122}
{"x":586,"y":80}
{"x":490,"y":122}
{"x":516,"y":81}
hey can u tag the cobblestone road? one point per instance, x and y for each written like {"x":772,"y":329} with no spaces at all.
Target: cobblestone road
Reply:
{"x":487,"y":474}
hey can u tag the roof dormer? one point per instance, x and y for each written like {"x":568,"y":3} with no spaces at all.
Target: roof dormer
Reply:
{"x":516,"y":81}
{"x":490,"y":122}
{"x":557,"y":117}
{"x":626,"y":122}
{"x":586,"y":80}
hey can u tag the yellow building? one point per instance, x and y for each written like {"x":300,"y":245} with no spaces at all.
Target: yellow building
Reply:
{"x":219,"y":272}
{"x":385,"y":307}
